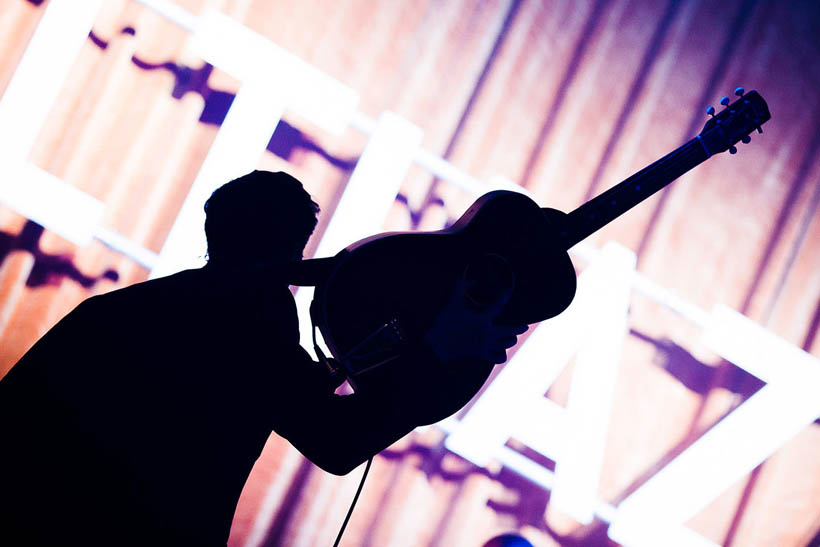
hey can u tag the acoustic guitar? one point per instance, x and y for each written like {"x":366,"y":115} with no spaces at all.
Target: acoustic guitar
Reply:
{"x":376,"y":298}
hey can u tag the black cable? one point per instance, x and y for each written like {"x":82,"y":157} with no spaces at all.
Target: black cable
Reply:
{"x":353,"y":504}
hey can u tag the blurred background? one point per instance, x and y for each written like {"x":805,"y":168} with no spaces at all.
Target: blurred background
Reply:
{"x":118,"y":117}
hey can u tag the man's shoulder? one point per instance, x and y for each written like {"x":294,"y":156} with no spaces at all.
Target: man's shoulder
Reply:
{"x":145,"y":300}
{"x":184,"y":281}
{"x":197,"y":296}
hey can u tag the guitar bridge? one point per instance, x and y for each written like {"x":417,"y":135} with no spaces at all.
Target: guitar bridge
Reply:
{"x":379,"y":348}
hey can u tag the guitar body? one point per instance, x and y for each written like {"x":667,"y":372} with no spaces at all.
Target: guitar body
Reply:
{"x":385,"y":291}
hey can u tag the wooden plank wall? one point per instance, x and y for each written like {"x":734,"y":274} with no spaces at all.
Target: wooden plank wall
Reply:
{"x":566,"y":98}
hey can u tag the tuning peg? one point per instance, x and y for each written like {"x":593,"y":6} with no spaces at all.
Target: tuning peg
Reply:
{"x":711,"y":111}
{"x":739,"y":91}
{"x":759,"y":130}
{"x":732,"y":150}
{"x":746,"y":139}
{"x":724,"y":101}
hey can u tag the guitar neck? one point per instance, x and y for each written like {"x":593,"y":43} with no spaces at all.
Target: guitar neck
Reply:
{"x":606,"y":207}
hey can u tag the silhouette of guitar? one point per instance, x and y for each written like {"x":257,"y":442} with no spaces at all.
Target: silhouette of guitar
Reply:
{"x":378,"y":296}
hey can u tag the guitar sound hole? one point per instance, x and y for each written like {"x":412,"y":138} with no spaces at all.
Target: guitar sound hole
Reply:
{"x":488,"y":276}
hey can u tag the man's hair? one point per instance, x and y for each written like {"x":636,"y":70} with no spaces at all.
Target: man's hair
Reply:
{"x":261,"y":216}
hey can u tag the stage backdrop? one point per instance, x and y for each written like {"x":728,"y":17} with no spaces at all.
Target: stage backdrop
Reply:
{"x":679,"y":410}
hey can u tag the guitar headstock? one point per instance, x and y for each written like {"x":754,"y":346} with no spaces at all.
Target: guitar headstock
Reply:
{"x":734,"y":123}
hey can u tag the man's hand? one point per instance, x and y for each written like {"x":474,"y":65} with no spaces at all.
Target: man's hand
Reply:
{"x":460,"y":332}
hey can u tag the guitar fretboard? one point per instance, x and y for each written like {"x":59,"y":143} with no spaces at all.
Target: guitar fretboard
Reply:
{"x":609,"y":205}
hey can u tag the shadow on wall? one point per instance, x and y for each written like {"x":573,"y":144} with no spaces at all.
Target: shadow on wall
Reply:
{"x":48,"y":269}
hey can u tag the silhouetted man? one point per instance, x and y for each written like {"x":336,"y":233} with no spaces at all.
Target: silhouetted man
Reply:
{"x":137,"y":418}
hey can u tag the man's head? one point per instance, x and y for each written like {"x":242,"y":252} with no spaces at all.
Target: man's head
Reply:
{"x":259,"y":218}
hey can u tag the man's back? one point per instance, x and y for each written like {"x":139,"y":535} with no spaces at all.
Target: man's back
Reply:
{"x":142,"y":412}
